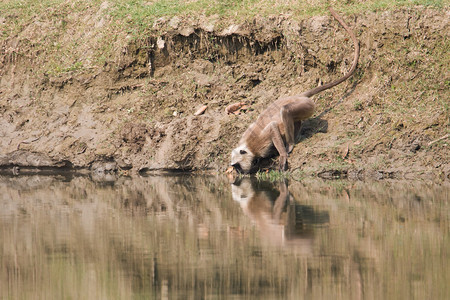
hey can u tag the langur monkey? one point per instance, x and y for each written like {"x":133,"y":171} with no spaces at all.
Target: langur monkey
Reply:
{"x":279,"y":124}
{"x":264,"y":207}
{"x":274,"y":211}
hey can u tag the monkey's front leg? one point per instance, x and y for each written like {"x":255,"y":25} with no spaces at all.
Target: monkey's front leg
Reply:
{"x":281,"y":201}
{"x":277,"y":141}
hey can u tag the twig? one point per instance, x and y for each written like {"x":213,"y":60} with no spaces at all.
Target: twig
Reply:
{"x":27,"y":142}
{"x":439,"y":139}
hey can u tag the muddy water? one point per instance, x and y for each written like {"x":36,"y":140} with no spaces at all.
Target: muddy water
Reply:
{"x":202,"y":238}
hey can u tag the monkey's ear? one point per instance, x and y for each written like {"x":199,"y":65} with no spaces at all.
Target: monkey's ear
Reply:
{"x":243,"y":152}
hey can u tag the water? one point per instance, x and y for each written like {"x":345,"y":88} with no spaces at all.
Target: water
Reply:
{"x":187,"y":237}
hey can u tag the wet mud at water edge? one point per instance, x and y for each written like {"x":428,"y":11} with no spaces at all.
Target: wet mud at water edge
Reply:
{"x":199,"y":237}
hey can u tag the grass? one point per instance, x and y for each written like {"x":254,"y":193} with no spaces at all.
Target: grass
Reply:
{"x":418,"y":82}
{"x":63,"y":36}
{"x":138,"y":16}
{"x":273,"y":176}
{"x":141,"y":14}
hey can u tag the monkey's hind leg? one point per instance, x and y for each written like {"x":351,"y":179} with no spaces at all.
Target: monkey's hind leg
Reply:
{"x":297,"y":131}
{"x":292,"y":113}
{"x":277,"y":141}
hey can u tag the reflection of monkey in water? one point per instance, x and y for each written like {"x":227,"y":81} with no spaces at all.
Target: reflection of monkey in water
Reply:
{"x":279,"y":124}
{"x":274,"y":211}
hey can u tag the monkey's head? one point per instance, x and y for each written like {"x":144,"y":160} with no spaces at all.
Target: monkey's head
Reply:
{"x":242,"y":159}
{"x":242,"y":191}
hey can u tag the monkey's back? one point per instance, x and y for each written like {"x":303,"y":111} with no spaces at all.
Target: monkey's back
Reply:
{"x":258,"y":139}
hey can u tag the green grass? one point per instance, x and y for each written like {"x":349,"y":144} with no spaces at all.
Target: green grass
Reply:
{"x":141,"y":14}
{"x":133,"y":20}
{"x":273,"y":176}
{"x":138,"y":16}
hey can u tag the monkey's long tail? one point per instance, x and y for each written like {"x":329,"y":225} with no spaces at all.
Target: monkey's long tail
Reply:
{"x":352,"y":69}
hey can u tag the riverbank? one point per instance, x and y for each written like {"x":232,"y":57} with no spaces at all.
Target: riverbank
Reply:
{"x":81,"y":91}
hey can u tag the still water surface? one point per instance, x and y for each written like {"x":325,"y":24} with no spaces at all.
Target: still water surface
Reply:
{"x":193,"y":237}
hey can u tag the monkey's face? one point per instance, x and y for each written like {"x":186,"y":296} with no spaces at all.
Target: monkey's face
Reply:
{"x":242,"y":159}
{"x":242,"y":192}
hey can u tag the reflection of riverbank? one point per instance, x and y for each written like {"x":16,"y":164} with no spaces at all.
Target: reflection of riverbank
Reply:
{"x":279,"y":217}
{"x":184,"y":237}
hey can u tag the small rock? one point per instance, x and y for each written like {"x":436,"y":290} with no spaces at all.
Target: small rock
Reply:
{"x":207,"y":27}
{"x":415,"y":147}
{"x":160,"y":43}
{"x":186,"y":31}
{"x":318,"y":24}
{"x":201,"y":110}
{"x":104,"y":167}
{"x":345,"y":151}
{"x":104,"y":5}
{"x":203,"y":66}
{"x":203,"y":80}
{"x":234,"y":29}
{"x":159,"y":22}
{"x":234,"y":107}
{"x":174,"y":22}
{"x":332,"y":174}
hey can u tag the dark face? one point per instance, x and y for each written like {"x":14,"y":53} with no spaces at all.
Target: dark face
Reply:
{"x":252,"y":168}
{"x":238,"y":168}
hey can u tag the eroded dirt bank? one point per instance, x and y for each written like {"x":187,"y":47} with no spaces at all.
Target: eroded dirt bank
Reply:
{"x":136,"y":112}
